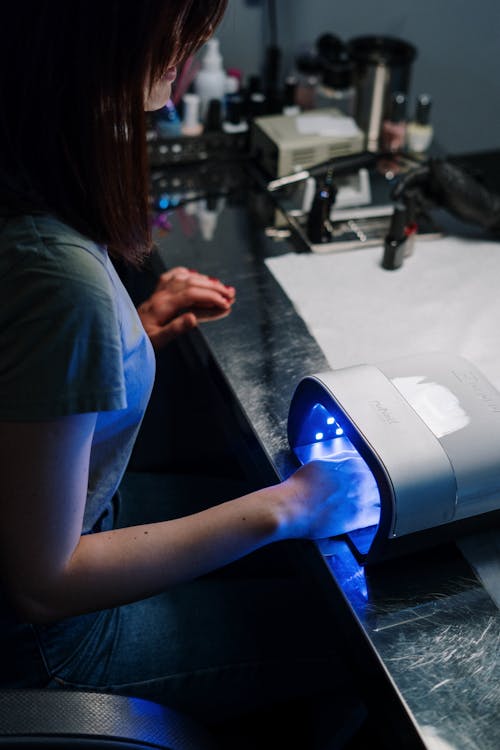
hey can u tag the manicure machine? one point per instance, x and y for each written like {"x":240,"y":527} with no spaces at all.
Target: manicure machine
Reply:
{"x":425,"y":430}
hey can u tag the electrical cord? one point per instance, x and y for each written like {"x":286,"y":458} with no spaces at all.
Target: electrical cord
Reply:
{"x":441,"y":184}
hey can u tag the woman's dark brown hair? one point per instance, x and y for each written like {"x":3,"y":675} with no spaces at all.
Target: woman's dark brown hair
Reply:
{"x":72,"y":126}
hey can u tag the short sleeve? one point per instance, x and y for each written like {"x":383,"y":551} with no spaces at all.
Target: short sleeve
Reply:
{"x":60,"y":341}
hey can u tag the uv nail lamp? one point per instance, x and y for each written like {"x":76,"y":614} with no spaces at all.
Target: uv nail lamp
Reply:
{"x":425,"y":431}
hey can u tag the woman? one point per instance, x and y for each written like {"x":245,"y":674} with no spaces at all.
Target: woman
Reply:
{"x":87,"y":601}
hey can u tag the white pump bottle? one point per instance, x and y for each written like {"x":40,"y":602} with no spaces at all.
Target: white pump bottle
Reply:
{"x":210,"y":82}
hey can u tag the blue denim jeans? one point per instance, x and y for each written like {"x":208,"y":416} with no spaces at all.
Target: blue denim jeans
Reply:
{"x":231,"y":642}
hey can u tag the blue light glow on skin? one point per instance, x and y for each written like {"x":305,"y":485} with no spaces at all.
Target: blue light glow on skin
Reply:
{"x":328,"y":442}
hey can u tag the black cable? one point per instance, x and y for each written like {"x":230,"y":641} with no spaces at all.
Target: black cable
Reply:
{"x":341,"y":165}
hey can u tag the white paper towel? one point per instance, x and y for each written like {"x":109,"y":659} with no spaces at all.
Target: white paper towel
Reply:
{"x":445,"y":297}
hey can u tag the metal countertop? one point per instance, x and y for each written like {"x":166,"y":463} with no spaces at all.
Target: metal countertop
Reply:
{"x":426,"y":621}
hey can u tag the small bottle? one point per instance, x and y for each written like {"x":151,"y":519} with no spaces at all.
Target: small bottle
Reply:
{"x":233,"y":85}
{"x":419,"y":132}
{"x":213,"y":118}
{"x":319,"y":229}
{"x":257,"y":105}
{"x":236,"y":73}
{"x":395,"y":239}
{"x":307,"y":72}
{"x":336,"y":87}
{"x":255,"y":99}
{"x":393,"y":131}
{"x":210,"y":82}
{"x":290,"y":106}
{"x":191,"y":124}
{"x":235,"y":121}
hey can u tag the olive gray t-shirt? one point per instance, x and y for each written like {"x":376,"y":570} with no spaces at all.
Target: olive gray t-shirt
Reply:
{"x":71,"y":342}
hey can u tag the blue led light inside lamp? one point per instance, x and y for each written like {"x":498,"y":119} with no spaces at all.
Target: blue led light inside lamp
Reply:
{"x":318,"y":430}
{"x":329,"y":422}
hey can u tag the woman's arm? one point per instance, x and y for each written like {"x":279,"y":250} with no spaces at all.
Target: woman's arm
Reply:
{"x":52,"y":572}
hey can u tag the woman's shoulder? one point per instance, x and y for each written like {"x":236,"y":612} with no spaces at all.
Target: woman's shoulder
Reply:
{"x":38,"y":233}
{"x":43,"y":244}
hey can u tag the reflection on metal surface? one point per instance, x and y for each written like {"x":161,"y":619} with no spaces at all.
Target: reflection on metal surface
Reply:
{"x":434,"y":741}
{"x":277,"y":234}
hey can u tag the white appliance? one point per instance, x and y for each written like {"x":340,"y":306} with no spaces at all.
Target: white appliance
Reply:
{"x":427,"y":428}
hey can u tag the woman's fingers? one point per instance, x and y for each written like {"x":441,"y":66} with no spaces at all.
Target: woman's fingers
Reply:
{"x":180,"y":278}
{"x":163,"y":335}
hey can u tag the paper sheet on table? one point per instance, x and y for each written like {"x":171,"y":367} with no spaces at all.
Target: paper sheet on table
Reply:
{"x":326,"y":125}
{"x":445,"y":297}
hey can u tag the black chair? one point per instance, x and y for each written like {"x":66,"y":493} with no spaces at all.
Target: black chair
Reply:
{"x":77,"y":720}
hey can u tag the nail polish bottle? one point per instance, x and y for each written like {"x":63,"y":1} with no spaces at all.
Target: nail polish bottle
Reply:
{"x":336,"y":87}
{"x":395,"y":240}
{"x":419,"y":132}
{"x":234,"y":122}
{"x":213,"y":118}
{"x":290,"y":106}
{"x":307,"y":72}
{"x":318,"y":221}
{"x":191,"y":124}
{"x":393,"y":132}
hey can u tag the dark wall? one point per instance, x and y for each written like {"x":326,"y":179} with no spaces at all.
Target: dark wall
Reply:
{"x":458,"y":43}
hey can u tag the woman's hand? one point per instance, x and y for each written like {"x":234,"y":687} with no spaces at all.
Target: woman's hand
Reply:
{"x":182,"y":299}
{"x":331,"y":497}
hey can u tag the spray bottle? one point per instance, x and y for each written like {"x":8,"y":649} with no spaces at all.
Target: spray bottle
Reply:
{"x":210,"y":82}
